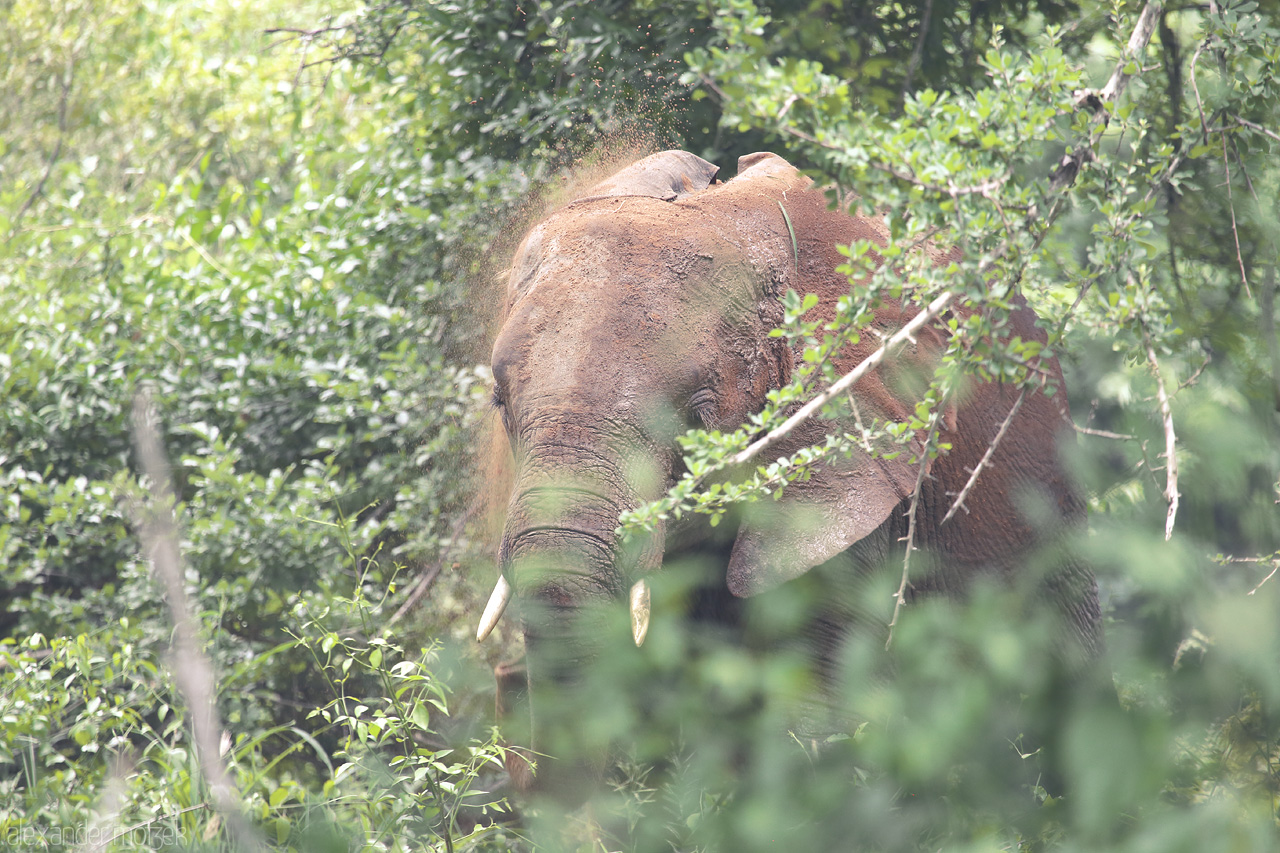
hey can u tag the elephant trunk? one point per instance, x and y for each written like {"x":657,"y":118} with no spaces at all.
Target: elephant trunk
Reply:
{"x":567,"y":568}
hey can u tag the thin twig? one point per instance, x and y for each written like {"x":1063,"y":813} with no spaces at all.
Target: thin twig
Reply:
{"x":1170,"y":440}
{"x":918,"y":52}
{"x":65,"y":84}
{"x":986,"y":458}
{"x":1231,"y":206}
{"x":1102,"y":433}
{"x":1195,"y":89}
{"x":1270,"y":574}
{"x":1246,"y":123}
{"x":901,"y":595}
{"x":1191,"y":380}
{"x":787,"y":105}
{"x":426,"y":580}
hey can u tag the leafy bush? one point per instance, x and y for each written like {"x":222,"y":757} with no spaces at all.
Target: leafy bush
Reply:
{"x":295,"y":262}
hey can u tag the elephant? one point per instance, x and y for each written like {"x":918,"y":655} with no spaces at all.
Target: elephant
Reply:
{"x":643,"y":308}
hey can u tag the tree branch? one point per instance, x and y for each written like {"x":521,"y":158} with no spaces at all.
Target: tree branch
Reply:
{"x":1096,"y":102}
{"x":191,"y":669}
{"x":808,"y":410}
{"x":901,"y":595}
{"x":918,"y":52}
{"x":1231,"y":206}
{"x":65,"y":84}
{"x":1101,"y":433}
{"x":1170,"y":440}
{"x":1246,"y":123}
{"x":986,"y":458}
{"x":1114,"y":89}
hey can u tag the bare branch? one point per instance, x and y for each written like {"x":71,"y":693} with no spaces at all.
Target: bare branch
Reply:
{"x":986,"y":458}
{"x":901,"y":595}
{"x":808,"y":410}
{"x":191,"y":669}
{"x":1269,"y":576}
{"x":1272,"y":559}
{"x":1191,"y":380}
{"x":1102,"y":433}
{"x":1195,"y":89}
{"x":1231,"y":205}
{"x":1246,"y":123}
{"x":1170,"y":440}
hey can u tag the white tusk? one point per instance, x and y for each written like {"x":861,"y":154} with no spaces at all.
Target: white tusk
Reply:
{"x":639,"y":611}
{"x":493,"y":610}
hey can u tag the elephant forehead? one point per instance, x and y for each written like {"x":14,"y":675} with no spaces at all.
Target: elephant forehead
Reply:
{"x":621,"y":253}
{"x":588,"y":344}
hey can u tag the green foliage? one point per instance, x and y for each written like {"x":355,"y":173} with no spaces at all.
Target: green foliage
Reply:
{"x":524,"y":82}
{"x":283,"y":255}
{"x":191,"y":215}
{"x":1103,"y":258}
{"x":98,"y":713}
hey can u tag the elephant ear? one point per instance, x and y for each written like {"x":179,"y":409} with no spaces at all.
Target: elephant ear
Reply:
{"x":668,"y":175}
{"x":814,"y":520}
{"x":844,"y":499}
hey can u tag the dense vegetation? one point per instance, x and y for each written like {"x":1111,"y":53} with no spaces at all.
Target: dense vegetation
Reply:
{"x":277,"y":231}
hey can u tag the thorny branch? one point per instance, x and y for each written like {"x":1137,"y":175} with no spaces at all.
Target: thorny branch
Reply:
{"x":808,"y":410}
{"x":986,"y":458}
{"x":899,"y":598}
{"x":1061,"y":180}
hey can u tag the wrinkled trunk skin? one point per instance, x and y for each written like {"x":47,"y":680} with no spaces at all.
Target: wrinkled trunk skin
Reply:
{"x":560,"y":553}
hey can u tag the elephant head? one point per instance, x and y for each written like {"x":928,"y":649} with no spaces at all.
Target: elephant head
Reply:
{"x":644,"y":308}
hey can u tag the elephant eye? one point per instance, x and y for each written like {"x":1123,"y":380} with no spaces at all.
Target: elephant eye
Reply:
{"x":499,"y":402}
{"x":703,"y":406}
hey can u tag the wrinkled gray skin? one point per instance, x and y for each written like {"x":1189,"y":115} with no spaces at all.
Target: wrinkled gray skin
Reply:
{"x":642,"y":309}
